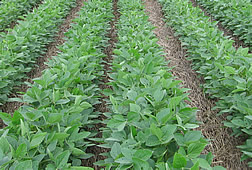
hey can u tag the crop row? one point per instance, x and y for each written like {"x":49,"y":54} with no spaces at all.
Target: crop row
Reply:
{"x":11,"y":10}
{"x":20,"y":48}
{"x":233,"y":14}
{"x":227,"y":71}
{"x":48,"y":131}
{"x":150,"y":125}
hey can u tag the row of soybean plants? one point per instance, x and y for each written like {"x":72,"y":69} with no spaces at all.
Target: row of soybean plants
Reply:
{"x":233,"y":14}
{"x":48,"y":132}
{"x":227,"y":71}
{"x":11,"y":10}
{"x":27,"y":41}
{"x":150,"y":125}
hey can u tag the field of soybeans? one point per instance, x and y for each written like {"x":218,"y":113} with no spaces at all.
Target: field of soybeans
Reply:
{"x":125,"y":84}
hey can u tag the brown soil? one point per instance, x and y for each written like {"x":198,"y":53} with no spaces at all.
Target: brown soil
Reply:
{"x":227,"y":32}
{"x":222,"y":145}
{"x":95,"y":150}
{"x":112,"y":35}
{"x":52,"y":50}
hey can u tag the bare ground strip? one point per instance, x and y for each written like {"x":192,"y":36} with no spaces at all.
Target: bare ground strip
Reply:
{"x":222,"y":145}
{"x":102,"y":107}
{"x":52,"y":50}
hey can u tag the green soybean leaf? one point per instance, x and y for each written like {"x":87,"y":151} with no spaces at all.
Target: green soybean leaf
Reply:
{"x":79,"y":136}
{"x":24,"y":128}
{"x":192,"y":136}
{"x":249,"y":117}
{"x":153,"y":141}
{"x":144,"y":81}
{"x":55,"y":117}
{"x":50,"y":167}
{"x":128,"y":153}
{"x":140,"y":164}
{"x":143,"y":154}
{"x":195,"y":166}
{"x":63,"y":101}
{"x":135,"y":108}
{"x":21,"y":150}
{"x":27,"y":165}
{"x":179,"y":161}
{"x":117,"y":52}
{"x":195,"y":149}
{"x":132,"y":95}
{"x":219,"y":168}
{"x":229,"y":70}
{"x":52,"y":145}
{"x":85,"y":105}
{"x":168,"y":133}
{"x":117,"y":122}
{"x":247,"y":153}
{"x":209,"y":158}
{"x":77,"y":152}
{"x":159,"y":95}
{"x":115,"y":150}
{"x":175,"y":101}
{"x":121,"y":126}
{"x":79,"y":168}
{"x":191,"y":126}
{"x":6,"y":117}
{"x":156,"y":131}
{"x":164,"y":115}
{"x":203,"y":163}
{"x":39,"y":157}
{"x":37,"y":139}
{"x":62,"y":159}
{"x":133,"y":116}
{"x":4,"y":145}
{"x":60,"y":136}
{"x":32,"y":114}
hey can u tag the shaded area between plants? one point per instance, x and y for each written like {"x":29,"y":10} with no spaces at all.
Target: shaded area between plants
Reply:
{"x":102,"y":107}
{"x":222,"y":145}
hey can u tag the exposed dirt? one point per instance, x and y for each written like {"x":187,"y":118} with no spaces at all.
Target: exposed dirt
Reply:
{"x":52,"y":50}
{"x":222,"y":145}
{"x":95,"y":150}
{"x":112,"y":35}
{"x":227,"y":32}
